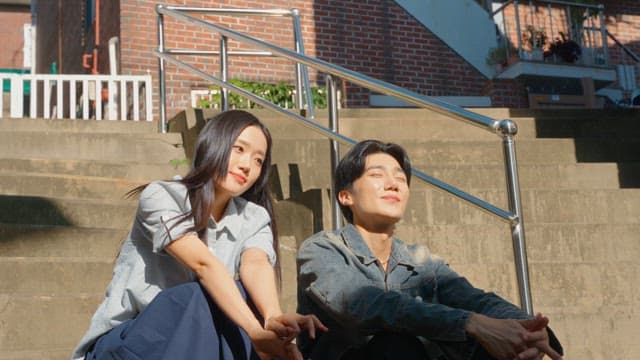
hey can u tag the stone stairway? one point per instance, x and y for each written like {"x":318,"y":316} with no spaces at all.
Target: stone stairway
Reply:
{"x":63,"y":215}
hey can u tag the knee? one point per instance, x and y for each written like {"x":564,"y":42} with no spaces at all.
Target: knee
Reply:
{"x":183,"y":293}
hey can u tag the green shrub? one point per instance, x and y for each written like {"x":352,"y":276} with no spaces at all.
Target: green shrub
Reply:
{"x":280,"y":94}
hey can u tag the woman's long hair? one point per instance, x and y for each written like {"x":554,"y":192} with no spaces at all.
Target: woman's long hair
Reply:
{"x":210,"y":165}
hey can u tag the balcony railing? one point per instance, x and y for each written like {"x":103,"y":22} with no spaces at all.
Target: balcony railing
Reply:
{"x":553,"y":31}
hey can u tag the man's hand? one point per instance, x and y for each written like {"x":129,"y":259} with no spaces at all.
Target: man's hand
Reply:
{"x":275,"y":340}
{"x":289,"y":325}
{"x":508,"y":339}
{"x":537,"y":338}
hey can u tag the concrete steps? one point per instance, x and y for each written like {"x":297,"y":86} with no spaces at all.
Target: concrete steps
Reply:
{"x":63,"y":215}
{"x":56,"y":276}
{"x":70,"y":241}
{"x":303,"y":177}
{"x":33,"y":210}
{"x":126,"y":147}
{"x":72,"y":186}
{"x":436,"y":152}
{"x":50,"y":325}
{"x":102,"y":169}
{"x":427,"y":125}
{"x":621,"y":206}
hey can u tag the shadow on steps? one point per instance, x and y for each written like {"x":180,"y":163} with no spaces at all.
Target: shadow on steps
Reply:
{"x":600,"y":136}
{"x":30,"y":210}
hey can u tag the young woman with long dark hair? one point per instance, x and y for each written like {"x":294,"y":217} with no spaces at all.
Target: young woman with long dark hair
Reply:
{"x":195,"y":276}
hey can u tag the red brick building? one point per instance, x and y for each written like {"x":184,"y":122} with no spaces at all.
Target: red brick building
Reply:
{"x":378,"y":38}
{"x":13,"y":16}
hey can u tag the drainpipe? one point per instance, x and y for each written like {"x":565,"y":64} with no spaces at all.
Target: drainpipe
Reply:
{"x":94,"y":70}
{"x":34,"y":30}
{"x":94,"y":55}
{"x":60,"y":36}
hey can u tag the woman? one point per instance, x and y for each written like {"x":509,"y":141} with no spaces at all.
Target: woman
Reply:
{"x":174,"y":293}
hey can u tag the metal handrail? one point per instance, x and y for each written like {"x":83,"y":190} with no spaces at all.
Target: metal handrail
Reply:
{"x":498,"y":10}
{"x":505,"y":128}
{"x":624,"y":47}
{"x":551,"y":2}
{"x":352,"y":76}
{"x":302,"y":75}
{"x":596,"y":8}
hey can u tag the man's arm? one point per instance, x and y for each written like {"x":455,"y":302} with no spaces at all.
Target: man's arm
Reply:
{"x":499,"y":326}
{"x":335,"y":280}
{"x":456,"y":291}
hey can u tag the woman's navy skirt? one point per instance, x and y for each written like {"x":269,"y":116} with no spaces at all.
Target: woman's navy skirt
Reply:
{"x":180,"y":323}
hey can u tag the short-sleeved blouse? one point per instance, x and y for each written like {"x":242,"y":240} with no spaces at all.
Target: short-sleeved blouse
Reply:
{"x":143,"y":268}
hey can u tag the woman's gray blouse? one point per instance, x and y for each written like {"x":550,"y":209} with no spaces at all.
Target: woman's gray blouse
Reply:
{"x":143,"y":268}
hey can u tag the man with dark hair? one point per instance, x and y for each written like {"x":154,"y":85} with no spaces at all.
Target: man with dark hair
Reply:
{"x":384,"y":299}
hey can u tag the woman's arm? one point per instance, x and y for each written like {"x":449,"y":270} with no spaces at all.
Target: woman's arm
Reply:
{"x":259,"y":280}
{"x":215,"y":278}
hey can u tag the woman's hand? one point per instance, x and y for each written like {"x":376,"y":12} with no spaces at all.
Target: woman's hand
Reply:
{"x":288,"y":326}
{"x":269,"y":345}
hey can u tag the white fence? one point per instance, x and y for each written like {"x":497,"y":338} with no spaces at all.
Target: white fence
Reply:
{"x":111,"y":97}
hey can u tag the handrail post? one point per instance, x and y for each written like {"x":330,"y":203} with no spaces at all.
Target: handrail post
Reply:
{"x":162,"y":125}
{"x":508,"y":130}
{"x":298,"y":49}
{"x":304,"y":72}
{"x":603,"y":30}
{"x":332,"y":106}
{"x":570,"y":23}
{"x":518,"y":29}
{"x":224,"y":72}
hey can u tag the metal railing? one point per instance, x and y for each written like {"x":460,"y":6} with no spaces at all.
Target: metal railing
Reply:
{"x":112,"y":97}
{"x":546,"y":26}
{"x":303,"y":90}
{"x":506,"y":129}
{"x":625,"y":48}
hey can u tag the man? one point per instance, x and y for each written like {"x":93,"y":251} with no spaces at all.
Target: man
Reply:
{"x":384,"y":299}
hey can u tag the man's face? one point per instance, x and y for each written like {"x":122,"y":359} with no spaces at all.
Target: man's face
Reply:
{"x":379,"y":196}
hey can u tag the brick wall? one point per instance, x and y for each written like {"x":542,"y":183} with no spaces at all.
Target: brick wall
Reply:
{"x":12,"y":19}
{"x":139,"y":38}
{"x":77,"y":38}
{"x":374,"y":37}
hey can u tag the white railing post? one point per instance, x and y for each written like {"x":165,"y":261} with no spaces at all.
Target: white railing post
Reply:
{"x":46,"y":97}
{"x":2,"y":97}
{"x":59,"y":99}
{"x":148,"y":105}
{"x":17,"y":97}
{"x":85,"y":99}
{"x":98,"y":98}
{"x":33,"y":95}
{"x":112,"y":104}
{"x":72,"y":99}
{"x":123,"y":99}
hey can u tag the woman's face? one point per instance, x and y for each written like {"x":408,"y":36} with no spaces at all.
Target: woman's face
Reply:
{"x":245,"y":163}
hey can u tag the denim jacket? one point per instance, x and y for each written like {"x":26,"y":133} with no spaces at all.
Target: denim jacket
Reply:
{"x":341,"y":282}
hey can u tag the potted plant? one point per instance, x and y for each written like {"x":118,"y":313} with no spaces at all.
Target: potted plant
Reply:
{"x":565,"y":49}
{"x":499,"y":57}
{"x":533,"y":43}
